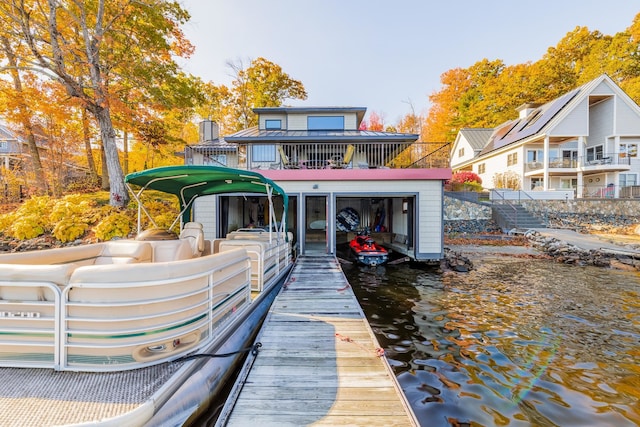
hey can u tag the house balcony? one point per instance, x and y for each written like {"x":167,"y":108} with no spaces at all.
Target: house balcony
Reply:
{"x":319,"y":155}
{"x":588,"y":164}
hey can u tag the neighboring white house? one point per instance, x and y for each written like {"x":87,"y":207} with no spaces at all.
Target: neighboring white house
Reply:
{"x":586,"y":140}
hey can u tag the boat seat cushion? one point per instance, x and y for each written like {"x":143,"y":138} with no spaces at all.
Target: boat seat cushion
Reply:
{"x":124,"y":252}
{"x":80,"y":255}
{"x":12,"y":274}
{"x":192,"y":232}
{"x":171,"y":250}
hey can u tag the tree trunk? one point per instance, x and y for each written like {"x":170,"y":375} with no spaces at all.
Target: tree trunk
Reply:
{"x":104,"y":173}
{"x":125,"y":150}
{"x":118,"y":195}
{"x":87,"y":146}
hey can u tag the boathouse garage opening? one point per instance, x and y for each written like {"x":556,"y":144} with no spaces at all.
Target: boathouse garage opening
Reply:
{"x":319,"y":226}
{"x":389,"y":220}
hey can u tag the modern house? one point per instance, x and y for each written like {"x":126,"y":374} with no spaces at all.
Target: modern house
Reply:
{"x":339,"y":179}
{"x":585,"y":141}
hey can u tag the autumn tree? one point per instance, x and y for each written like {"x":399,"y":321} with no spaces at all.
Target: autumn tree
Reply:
{"x":262,"y":84}
{"x":375,"y":123}
{"x":76,"y":42}
{"x":17,"y":99}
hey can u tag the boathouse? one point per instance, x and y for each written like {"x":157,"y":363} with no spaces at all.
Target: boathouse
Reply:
{"x":340,"y":180}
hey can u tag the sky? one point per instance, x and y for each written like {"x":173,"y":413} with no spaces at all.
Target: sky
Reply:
{"x":388,"y":55}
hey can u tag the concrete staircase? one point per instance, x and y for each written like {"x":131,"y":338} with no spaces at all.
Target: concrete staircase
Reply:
{"x":511,"y":216}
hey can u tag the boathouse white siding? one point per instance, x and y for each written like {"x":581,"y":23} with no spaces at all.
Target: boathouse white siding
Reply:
{"x":429,"y":218}
{"x":426,"y":196}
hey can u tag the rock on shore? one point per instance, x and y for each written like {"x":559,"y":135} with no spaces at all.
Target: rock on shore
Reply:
{"x":569,"y":254}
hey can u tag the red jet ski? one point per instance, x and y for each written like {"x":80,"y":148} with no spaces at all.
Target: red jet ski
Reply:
{"x":367,"y":251}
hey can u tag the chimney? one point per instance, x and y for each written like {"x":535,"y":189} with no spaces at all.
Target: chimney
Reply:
{"x":208,"y":131}
{"x":525,"y":109}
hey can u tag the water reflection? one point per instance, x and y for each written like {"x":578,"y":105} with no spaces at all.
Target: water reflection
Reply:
{"x":513,"y":342}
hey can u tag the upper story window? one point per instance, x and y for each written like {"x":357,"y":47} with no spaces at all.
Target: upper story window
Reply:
{"x":595,"y":153}
{"x":273,"y":124}
{"x":628,"y":150}
{"x":534,"y":156}
{"x":482,"y":168}
{"x":325,"y":123}
{"x":512,"y":159}
{"x":263,"y":153}
{"x":4,"y":145}
{"x":461,"y":152}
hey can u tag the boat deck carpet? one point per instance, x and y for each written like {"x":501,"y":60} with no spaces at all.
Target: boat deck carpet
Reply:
{"x":75,"y":397}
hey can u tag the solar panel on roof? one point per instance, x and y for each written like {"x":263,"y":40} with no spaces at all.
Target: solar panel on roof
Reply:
{"x":517,"y":133}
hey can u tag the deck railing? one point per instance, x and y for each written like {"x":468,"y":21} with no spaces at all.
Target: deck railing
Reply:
{"x":320,"y":156}
{"x":607,"y":159}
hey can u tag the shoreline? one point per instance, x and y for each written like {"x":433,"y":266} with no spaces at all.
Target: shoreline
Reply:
{"x":609,"y":250}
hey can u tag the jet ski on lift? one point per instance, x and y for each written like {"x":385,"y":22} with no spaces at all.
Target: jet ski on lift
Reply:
{"x":367,"y":251}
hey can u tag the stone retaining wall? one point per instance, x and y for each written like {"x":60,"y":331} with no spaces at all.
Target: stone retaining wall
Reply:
{"x":455,"y":210}
{"x":579,"y":214}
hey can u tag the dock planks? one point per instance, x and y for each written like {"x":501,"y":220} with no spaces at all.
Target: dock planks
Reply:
{"x":319,"y":363}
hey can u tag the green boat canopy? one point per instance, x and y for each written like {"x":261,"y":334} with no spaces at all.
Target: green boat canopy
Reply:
{"x":190,"y":182}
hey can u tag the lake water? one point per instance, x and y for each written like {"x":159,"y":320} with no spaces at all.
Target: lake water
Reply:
{"x":514,"y":342}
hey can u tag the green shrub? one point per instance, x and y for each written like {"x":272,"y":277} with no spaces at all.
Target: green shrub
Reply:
{"x":71,"y":216}
{"x":5,"y":222}
{"x":116,"y":224}
{"x":467,"y":186}
{"x":31,"y":219}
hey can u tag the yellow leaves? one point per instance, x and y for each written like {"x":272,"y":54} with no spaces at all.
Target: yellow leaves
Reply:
{"x":116,"y":224}
{"x":31,"y":218}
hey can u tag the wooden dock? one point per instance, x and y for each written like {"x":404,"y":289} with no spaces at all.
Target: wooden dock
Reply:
{"x":320,"y":363}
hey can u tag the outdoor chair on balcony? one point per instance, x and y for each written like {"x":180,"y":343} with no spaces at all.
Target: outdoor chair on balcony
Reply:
{"x":344,"y":161}
{"x":286,"y":164}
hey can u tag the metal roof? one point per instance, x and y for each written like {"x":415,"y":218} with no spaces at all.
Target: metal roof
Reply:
{"x":519,"y":129}
{"x":219,"y":144}
{"x":477,"y":138}
{"x":261,"y":135}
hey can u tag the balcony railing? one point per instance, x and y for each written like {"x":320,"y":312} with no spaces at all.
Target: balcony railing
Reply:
{"x":585,"y":161}
{"x":320,"y":156}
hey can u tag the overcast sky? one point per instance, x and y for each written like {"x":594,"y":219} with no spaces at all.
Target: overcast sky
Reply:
{"x":384,"y":55}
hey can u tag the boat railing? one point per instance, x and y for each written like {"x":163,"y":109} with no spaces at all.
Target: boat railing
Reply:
{"x":119,"y":316}
{"x":156,"y":312}
{"x":268,"y":258}
{"x":89,"y":312}
{"x":29,"y":314}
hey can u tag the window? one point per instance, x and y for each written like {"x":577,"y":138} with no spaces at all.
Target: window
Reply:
{"x":628,"y":150}
{"x":535,"y":156}
{"x":481,"y":168}
{"x":461,"y":152}
{"x":325,"y":123}
{"x":537,"y":183}
{"x":4,"y":145}
{"x":595,"y":153}
{"x":568,"y":183}
{"x":512,"y":159}
{"x":569,"y":158}
{"x":273,"y":124}
{"x":263,"y":153}
{"x":628,"y":179}
{"x":215,"y":160}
